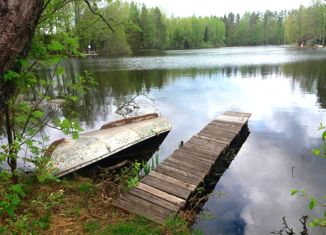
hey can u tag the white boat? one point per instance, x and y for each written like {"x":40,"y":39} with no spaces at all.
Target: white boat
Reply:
{"x":69,"y":155}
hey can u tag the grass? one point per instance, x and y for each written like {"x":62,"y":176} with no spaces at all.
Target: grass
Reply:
{"x":80,"y":206}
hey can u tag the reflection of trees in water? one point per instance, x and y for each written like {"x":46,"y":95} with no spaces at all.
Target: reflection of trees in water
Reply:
{"x":250,"y":71}
{"x":117,"y":86}
{"x":311,"y":75}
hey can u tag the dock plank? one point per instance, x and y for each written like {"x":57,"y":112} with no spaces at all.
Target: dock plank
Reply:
{"x":177,"y":175}
{"x":203,"y":150}
{"x":190,"y":163}
{"x":173,"y":180}
{"x":158,"y":193}
{"x":184,"y":151}
{"x":233,"y":119}
{"x":164,"y":192}
{"x":154,"y":199}
{"x":222,"y":134}
{"x":190,"y":169}
{"x":240,"y":114}
{"x":151,"y":211}
{"x":179,"y":171}
{"x":208,"y":143}
{"x":226,"y":140}
{"x":167,"y":187}
{"x":192,"y":160}
{"x":227,"y":125}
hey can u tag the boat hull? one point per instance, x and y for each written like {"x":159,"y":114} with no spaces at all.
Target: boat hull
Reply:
{"x":68,"y":155}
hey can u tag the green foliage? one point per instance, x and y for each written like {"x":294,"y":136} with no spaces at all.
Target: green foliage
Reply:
{"x":150,"y":165}
{"x":92,"y":227}
{"x":53,"y":199}
{"x":178,"y":226}
{"x":10,"y":199}
{"x":44,"y":169}
{"x":18,"y":221}
{"x":134,"y":175}
{"x":321,"y":152}
{"x":28,"y":114}
{"x":130,"y":176}
{"x":313,"y":202}
{"x":137,"y":226}
{"x":68,"y":126}
{"x":44,"y":221}
{"x":86,"y":188}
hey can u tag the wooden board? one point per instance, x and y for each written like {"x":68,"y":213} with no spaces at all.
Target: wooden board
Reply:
{"x":154,"y":199}
{"x":167,"y":187}
{"x":190,"y":163}
{"x":217,"y":134}
{"x":149,"y":211}
{"x":192,"y":154}
{"x":173,"y":180}
{"x":227,"y":125}
{"x":179,"y":171}
{"x":164,"y":192}
{"x":219,"y":138}
{"x":177,"y":175}
{"x":239,"y":114}
{"x":208,"y":142}
{"x":158,"y":193}
{"x":233,"y":119}
{"x":202,"y":150}
{"x":190,"y":169}
{"x":186,"y":149}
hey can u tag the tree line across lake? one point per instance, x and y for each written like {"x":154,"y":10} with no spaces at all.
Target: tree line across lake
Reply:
{"x":137,"y":27}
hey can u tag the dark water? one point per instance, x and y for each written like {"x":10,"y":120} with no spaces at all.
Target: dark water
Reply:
{"x":283,"y":88}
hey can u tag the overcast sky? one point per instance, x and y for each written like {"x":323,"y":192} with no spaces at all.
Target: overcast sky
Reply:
{"x":221,"y":7}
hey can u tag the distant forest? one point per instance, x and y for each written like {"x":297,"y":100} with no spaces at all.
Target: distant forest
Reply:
{"x":137,"y":27}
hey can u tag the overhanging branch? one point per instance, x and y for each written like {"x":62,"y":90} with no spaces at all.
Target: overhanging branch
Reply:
{"x":99,"y":15}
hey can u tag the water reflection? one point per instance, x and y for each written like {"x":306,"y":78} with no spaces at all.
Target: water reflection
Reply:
{"x":117,"y":86}
{"x":283,"y":88}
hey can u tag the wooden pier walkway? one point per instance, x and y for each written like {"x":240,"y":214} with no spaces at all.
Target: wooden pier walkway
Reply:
{"x":164,"y":192}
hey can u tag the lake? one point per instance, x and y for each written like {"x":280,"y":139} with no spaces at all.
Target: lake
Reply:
{"x":285,"y":90}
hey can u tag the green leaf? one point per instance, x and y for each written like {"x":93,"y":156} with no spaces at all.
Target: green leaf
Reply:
{"x":44,"y":221}
{"x":313,"y":202}
{"x":13,"y":199}
{"x":316,"y":152}
{"x":294,"y":191}
{"x":53,"y":60}
{"x":24,"y":63}
{"x":24,"y":107}
{"x":11,"y":75}
{"x":65,"y":124}
{"x":38,"y":114}
{"x":21,"y":119}
{"x":321,"y":126}
{"x":73,"y":98}
{"x":324,"y":136}
{"x":18,"y":188}
{"x":56,"y":46}
{"x":59,"y":71}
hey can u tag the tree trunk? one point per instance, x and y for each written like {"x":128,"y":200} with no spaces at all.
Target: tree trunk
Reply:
{"x":18,"y":20}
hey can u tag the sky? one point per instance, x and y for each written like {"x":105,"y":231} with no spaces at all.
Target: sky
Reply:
{"x":221,"y":7}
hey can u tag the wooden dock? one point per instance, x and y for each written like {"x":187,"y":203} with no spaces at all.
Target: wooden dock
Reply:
{"x":164,"y":192}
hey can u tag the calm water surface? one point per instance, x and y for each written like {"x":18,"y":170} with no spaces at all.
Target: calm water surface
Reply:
{"x":284,"y":89}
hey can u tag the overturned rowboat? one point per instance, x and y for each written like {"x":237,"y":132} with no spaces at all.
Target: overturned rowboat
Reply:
{"x":112,"y":141}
